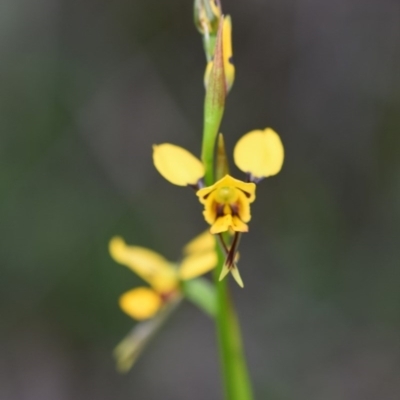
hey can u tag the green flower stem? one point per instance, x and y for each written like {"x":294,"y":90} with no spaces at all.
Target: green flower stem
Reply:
{"x":212,"y":120}
{"x":237,"y":384}
{"x":236,"y":380}
{"x":214,"y":105}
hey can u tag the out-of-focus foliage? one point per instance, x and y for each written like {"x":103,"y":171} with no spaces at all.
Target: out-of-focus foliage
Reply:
{"x":87,"y":88}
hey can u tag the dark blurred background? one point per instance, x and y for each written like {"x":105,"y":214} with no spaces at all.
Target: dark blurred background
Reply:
{"x":86,"y":87}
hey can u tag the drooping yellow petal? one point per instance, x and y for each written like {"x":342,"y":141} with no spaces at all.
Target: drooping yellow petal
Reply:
{"x":201,"y":243}
{"x":177,"y":165}
{"x":149,"y":265}
{"x":259,"y":153}
{"x":197,"y":264}
{"x":140,"y":303}
{"x":238,"y":225}
{"x":222,"y":224}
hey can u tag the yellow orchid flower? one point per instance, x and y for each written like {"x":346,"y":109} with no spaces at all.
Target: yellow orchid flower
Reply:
{"x":152,"y":305}
{"x":227,"y":204}
{"x":164,"y":278}
{"x":258,"y":153}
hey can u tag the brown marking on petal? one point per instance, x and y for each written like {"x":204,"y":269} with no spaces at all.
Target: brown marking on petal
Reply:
{"x":206,"y":196}
{"x":219,"y":209}
{"x":235,"y":209}
{"x":247,"y":194}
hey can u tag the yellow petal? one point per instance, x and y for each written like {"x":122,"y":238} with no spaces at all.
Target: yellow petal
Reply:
{"x":222,"y":224}
{"x":149,"y":265}
{"x":243,"y":208}
{"x":201,"y":243}
{"x":210,"y":209}
{"x":249,"y":188}
{"x":177,"y":165}
{"x":140,"y":303}
{"x":197,"y":264}
{"x":238,"y":225}
{"x":259,"y":153}
{"x":204,"y":193}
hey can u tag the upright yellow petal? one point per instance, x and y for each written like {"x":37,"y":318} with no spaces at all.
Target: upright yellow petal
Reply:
{"x":197,"y":264}
{"x":149,"y":265}
{"x":201,"y":243}
{"x":259,"y":153}
{"x":140,"y":303}
{"x":249,"y":188}
{"x":177,"y":165}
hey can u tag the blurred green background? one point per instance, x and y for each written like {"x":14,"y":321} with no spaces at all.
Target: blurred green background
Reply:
{"x":86,"y":87}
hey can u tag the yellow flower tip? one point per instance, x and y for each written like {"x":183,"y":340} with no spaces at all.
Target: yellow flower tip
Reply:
{"x":177,"y":165}
{"x":197,"y":264}
{"x":149,"y":265}
{"x":201,"y":243}
{"x":227,"y":204}
{"x":116,"y":248}
{"x":259,"y":153}
{"x":140,"y":303}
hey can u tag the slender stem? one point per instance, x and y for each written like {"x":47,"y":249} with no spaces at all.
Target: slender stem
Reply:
{"x":234,"y":371}
{"x":237,"y":384}
{"x":236,"y":381}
